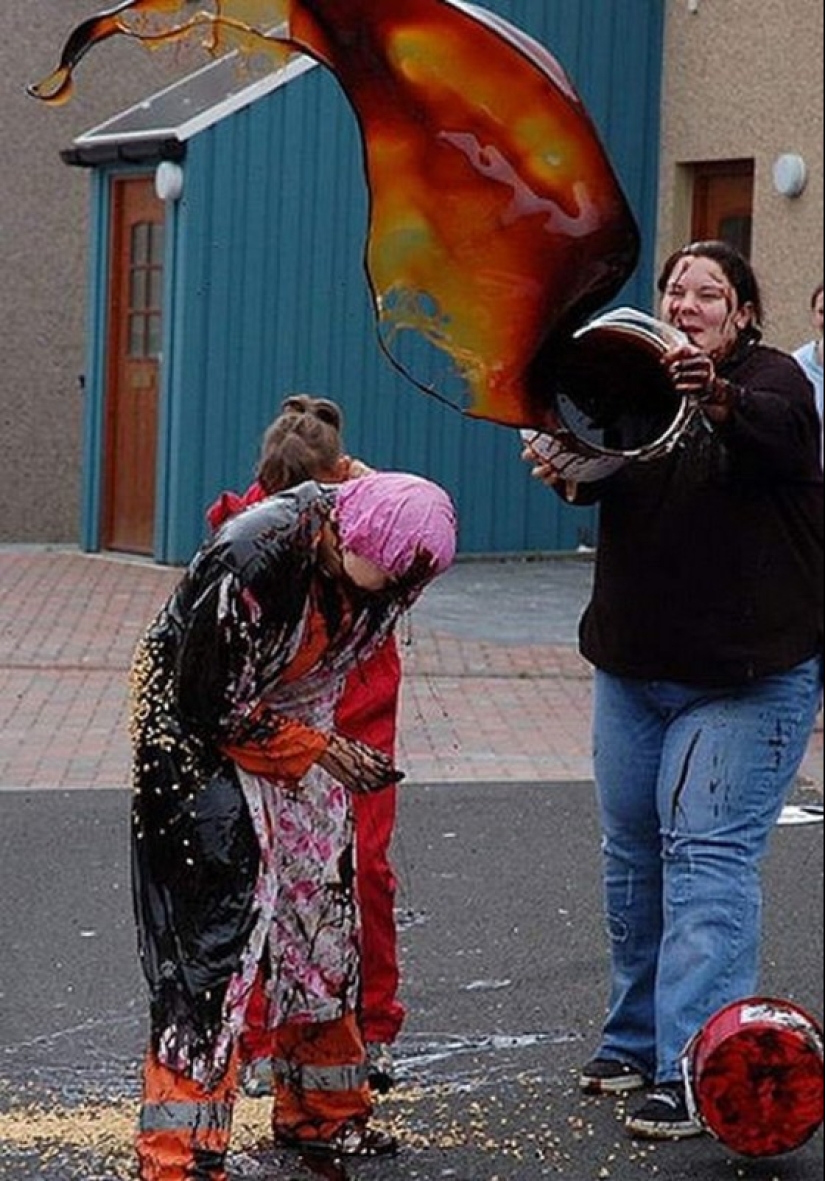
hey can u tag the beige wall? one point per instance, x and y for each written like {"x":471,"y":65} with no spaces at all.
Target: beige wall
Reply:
{"x":43,"y":252}
{"x":744,"y":79}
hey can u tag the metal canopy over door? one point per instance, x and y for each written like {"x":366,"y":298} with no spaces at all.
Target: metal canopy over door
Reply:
{"x":131,"y":411}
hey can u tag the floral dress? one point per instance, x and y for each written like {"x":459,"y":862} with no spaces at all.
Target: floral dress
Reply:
{"x":243,"y":846}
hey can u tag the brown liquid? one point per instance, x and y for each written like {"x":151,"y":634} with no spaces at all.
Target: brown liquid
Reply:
{"x":496,"y":221}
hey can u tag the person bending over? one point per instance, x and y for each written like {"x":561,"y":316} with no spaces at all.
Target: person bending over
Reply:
{"x":305,"y":442}
{"x":242,"y":820}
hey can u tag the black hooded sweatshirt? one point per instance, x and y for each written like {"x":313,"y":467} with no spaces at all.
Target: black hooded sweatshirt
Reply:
{"x":709,"y":560}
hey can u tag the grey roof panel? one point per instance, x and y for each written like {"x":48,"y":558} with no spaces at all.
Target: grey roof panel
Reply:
{"x":191,"y":104}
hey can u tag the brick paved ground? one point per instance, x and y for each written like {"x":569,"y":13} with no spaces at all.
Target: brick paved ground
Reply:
{"x":473,"y":709}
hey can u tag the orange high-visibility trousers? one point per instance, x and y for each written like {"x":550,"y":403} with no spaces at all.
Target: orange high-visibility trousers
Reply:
{"x":320,"y":1079}
{"x":184,"y":1128}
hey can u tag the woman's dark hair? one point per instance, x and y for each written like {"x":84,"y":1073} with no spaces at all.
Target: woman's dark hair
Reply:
{"x":736,"y":268}
{"x":817,"y":291}
{"x":303,"y":443}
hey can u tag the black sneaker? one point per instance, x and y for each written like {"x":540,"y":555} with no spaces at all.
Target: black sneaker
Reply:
{"x":603,"y":1076}
{"x":664,"y":1116}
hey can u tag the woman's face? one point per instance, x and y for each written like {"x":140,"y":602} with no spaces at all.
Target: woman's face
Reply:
{"x":701,"y":301}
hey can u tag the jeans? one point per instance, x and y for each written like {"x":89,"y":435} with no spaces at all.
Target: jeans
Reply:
{"x":691,"y":783}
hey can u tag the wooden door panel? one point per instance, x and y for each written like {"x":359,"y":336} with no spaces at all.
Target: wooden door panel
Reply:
{"x":131,"y":408}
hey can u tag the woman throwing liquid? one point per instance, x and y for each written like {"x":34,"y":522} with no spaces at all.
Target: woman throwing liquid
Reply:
{"x":705,"y":630}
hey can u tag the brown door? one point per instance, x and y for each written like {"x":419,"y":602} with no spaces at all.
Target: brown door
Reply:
{"x":131,"y":410}
{"x":723,"y":203}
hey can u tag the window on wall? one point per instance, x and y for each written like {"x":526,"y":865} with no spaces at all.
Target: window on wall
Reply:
{"x":145,"y":289}
{"x":723,"y":203}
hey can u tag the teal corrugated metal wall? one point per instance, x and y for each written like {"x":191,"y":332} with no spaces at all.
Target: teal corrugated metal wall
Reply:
{"x":96,"y":314}
{"x":269,"y":291}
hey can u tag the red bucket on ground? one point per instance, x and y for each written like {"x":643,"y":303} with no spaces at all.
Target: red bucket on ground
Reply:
{"x":754,"y":1076}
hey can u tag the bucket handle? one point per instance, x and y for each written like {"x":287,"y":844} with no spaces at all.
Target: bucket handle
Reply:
{"x":688,"y":1077}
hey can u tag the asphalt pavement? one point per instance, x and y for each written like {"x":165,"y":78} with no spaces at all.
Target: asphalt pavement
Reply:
{"x":505,"y":979}
{"x":497,"y":851}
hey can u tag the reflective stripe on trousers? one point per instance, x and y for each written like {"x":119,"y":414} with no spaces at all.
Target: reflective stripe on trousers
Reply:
{"x":320,"y":1078}
{"x":184,"y":1130}
{"x":170,"y":1117}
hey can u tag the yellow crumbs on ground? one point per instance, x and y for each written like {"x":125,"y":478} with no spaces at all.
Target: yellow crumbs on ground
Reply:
{"x":102,"y":1127}
{"x":521,"y":1128}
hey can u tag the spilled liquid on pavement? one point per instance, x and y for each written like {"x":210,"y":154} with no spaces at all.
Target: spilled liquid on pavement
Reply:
{"x":73,"y":1115}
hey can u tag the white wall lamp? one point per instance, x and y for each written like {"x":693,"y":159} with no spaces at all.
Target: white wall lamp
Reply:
{"x":790,"y":175}
{"x":169,"y":181}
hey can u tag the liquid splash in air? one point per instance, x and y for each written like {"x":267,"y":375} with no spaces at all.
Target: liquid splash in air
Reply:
{"x":497,"y":225}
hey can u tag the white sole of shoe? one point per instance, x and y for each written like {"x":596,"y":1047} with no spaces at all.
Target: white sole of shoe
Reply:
{"x":663,"y":1131}
{"x":628,"y":1085}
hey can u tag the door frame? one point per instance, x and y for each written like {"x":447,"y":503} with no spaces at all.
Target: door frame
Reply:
{"x":97,"y":360}
{"x":128,"y":506}
{"x":716,"y":175}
